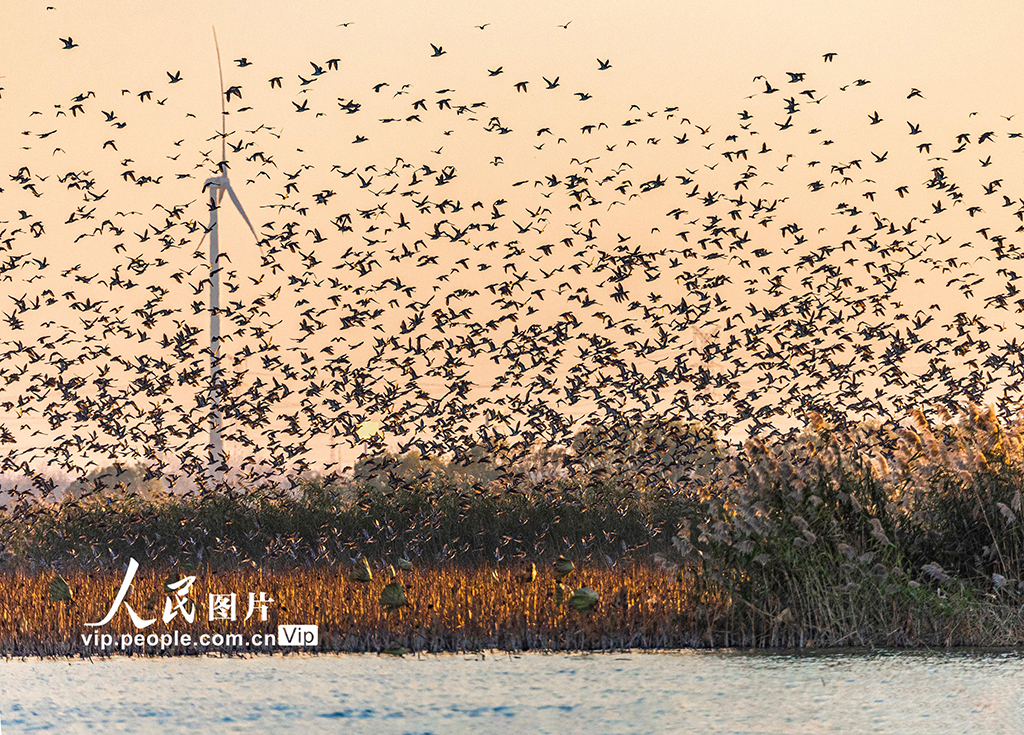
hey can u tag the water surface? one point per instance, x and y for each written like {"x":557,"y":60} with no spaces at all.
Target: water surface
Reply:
{"x":698,"y":692}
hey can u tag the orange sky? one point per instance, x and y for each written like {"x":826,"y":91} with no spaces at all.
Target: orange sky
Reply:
{"x":699,"y":57}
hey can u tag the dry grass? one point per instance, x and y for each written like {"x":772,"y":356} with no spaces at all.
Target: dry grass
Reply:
{"x":450,"y":608}
{"x":874,"y":534}
{"x":453,"y":608}
{"x":867,"y":535}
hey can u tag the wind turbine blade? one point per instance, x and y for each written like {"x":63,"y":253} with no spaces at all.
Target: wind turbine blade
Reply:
{"x":223,"y":109}
{"x":238,"y":206}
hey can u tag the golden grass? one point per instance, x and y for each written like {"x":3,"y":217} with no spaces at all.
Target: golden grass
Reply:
{"x":456,"y":608}
{"x":450,"y":608}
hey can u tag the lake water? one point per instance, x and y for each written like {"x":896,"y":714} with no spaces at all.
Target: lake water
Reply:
{"x":685,"y":692}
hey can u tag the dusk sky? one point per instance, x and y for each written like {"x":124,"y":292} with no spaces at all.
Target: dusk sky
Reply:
{"x":679,"y":79}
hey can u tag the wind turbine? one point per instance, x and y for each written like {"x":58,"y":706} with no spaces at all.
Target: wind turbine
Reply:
{"x":217,"y":185}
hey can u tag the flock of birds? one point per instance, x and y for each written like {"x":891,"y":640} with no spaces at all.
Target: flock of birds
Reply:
{"x":736,"y":272}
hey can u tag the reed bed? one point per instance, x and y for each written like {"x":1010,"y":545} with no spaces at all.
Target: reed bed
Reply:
{"x":869,"y":534}
{"x":434,"y":521}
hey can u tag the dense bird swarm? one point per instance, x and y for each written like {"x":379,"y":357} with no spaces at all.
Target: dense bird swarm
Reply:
{"x":650,"y":265}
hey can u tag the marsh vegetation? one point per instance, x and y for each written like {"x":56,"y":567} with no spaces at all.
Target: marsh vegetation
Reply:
{"x":860,"y":535}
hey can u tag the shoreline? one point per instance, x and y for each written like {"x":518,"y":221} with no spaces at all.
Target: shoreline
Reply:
{"x":497,"y":653}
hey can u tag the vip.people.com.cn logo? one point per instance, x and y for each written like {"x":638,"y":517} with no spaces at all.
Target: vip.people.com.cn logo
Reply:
{"x":220,"y":607}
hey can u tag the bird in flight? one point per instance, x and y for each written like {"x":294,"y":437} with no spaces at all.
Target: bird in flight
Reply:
{"x":175,"y":78}
{"x":243,"y":62}
{"x":69,"y":43}
{"x":603,"y":65}
{"x":829,"y":56}
{"x":438,"y":51}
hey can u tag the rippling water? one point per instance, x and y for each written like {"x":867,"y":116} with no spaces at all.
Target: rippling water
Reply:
{"x":699,"y":692}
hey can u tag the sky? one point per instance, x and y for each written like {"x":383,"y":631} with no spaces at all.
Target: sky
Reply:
{"x":692,"y":70}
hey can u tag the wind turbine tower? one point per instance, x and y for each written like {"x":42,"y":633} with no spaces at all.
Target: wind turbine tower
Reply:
{"x":217,"y":186}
